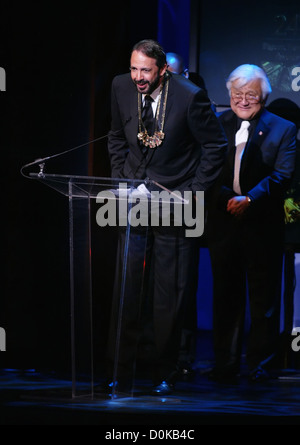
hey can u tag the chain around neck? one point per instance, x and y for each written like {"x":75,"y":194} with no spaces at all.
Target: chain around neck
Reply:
{"x":158,"y":136}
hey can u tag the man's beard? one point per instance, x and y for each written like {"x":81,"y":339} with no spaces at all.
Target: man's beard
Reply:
{"x":151,"y":86}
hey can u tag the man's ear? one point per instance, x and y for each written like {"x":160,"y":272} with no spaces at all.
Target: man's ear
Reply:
{"x":163,"y":70}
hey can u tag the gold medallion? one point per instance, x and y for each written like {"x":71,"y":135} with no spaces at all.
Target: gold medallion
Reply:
{"x":158,"y":136}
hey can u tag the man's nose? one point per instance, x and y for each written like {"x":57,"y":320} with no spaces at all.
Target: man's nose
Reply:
{"x":139,"y":75}
{"x":245,"y":100}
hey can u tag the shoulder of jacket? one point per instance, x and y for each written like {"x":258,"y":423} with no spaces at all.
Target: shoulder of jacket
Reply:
{"x":225,"y":115}
{"x":181,"y":83}
{"x":121,"y":78}
{"x":268,"y":116}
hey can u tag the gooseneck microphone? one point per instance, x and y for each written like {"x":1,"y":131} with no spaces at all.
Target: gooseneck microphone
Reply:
{"x":41,"y":161}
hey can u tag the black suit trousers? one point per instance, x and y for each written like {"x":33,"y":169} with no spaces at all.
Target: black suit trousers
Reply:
{"x":160,"y":264}
{"x":247,"y":261}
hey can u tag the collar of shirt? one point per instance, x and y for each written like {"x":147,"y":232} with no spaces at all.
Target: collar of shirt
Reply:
{"x":155,"y":97}
{"x":253,"y":123}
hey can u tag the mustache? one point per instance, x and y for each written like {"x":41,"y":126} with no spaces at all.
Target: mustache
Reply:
{"x":141,"y":82}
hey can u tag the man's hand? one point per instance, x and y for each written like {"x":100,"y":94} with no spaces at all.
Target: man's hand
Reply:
{"x":238,"y":205}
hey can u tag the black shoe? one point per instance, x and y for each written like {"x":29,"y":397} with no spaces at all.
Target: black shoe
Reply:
{"x":163,"y":389}
{"x":258,"y":375}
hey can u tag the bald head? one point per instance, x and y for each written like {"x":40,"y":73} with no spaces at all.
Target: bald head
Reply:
{"x":175,"y":63}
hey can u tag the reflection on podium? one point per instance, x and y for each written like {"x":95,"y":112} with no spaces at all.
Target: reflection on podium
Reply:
{"x":108,"y":202}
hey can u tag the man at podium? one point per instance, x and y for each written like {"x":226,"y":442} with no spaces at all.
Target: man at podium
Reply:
{"x":162,"y":129}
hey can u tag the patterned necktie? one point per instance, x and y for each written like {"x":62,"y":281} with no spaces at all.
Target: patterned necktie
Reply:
{"x":147,"y":114}
{"x":241,"y":138}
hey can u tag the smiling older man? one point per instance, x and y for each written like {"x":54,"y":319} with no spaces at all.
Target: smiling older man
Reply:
{"x":246,"y":225}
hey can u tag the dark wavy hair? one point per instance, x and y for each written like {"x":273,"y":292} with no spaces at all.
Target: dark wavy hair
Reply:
{"x":152,"y":49}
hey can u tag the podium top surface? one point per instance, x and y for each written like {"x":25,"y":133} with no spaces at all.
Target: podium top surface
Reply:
{"x":91,"y":186}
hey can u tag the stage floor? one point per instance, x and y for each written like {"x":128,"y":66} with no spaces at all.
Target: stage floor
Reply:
{"x":30,"y":398}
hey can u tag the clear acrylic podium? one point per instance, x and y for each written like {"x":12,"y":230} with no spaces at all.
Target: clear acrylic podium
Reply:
{"x":116,"y":199}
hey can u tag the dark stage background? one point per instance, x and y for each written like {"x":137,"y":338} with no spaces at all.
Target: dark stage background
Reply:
{"x":268,"y":35}
{"x":59,"y":60}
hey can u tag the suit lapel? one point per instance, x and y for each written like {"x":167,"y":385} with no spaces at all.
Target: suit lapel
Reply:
{"x":169,"y":98}
{"x":134,"y":109}
{"x":253,"y":147}
{"x":230,"y":122}
{"x":134,"y":122}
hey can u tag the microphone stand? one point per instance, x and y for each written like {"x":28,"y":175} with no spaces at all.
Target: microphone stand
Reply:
{"x":41,"y":161}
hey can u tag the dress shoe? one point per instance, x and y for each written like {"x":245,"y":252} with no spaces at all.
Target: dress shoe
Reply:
{"x":163,"y":389}
{"x":258,"y":375}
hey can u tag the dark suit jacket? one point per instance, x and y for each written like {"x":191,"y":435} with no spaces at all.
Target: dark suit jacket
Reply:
{"x":191,"y":129}
{"x":266,"y":170}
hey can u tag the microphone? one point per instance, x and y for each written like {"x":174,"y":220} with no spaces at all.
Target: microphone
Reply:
{"x":41,"y":161}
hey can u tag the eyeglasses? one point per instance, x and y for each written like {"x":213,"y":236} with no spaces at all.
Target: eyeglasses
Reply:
{"x":249,"y":97}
